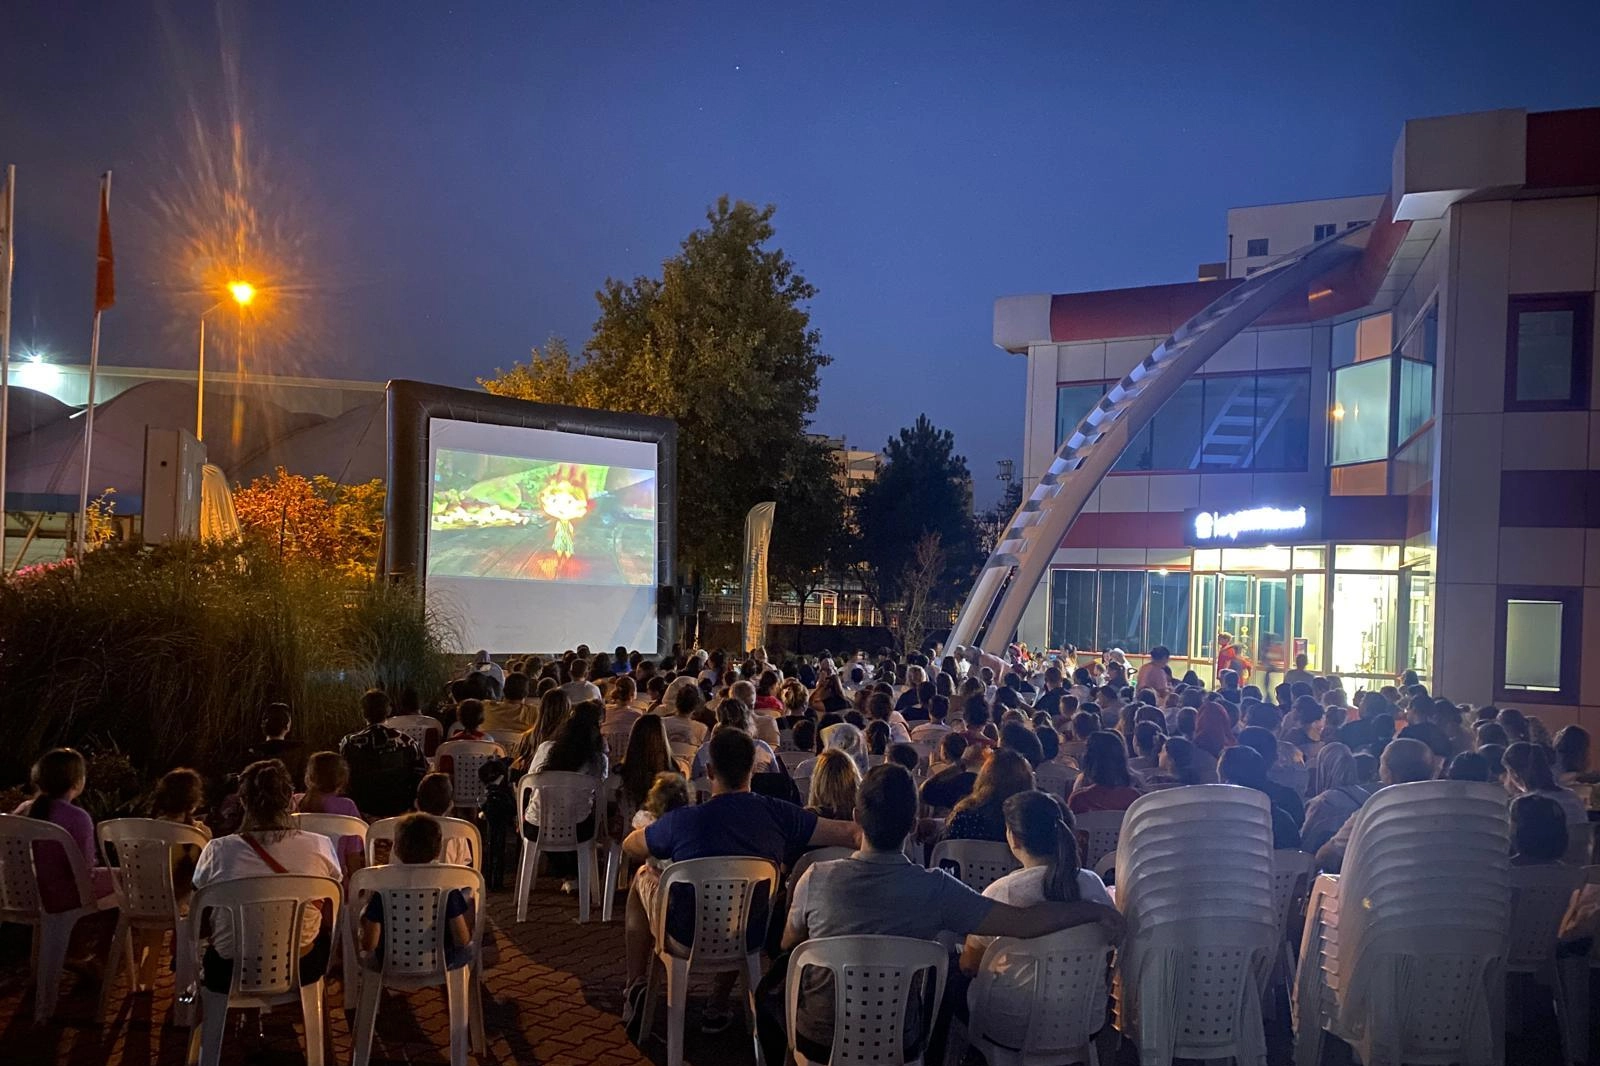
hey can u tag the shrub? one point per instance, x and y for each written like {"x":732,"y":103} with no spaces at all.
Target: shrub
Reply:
{"x":168,"y":654}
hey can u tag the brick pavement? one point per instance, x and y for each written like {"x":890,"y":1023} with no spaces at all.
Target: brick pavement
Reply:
{"x":553,"y":998}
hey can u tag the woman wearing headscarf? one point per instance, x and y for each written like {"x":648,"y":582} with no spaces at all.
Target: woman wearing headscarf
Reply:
{"x":1341,"y":796}
{"x":1213,"y":729}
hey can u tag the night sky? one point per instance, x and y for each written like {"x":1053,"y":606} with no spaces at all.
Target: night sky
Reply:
{"x":445,"y":187}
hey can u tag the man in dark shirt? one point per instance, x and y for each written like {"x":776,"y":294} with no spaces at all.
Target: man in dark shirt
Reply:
{"x":1054,"y":689}
{"x":385,"y":765}
{"x":734,"y":821}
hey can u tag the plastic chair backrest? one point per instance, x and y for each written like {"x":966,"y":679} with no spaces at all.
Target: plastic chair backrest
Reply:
{"x":19,"y":883}
{"x":1540,"y":896}
{"x":466,"y":756}
{"x":333,"y":826}
{"x":564,"y":799}
{"x":266,"y":915}
{"x":418,"y":727}
{"x":1055,"y":778}
{"x":1189,"y":852}
{"x":1068,"y":995}
{"x":415,"y":932}
{"x":616,"y":742}
{"x":382,"y":832}
{"x":725,"y":895}
{"x":873,"y":981}
{"x":812,"y":857}
{"x":1291,"y":880}
{"x":700,"y":790}
{"x":975,"y":863}
{"x":506,"y":738}
{"x":142,"y":875}
{"x":1580,"y":842}
{"x":1098,"y":834}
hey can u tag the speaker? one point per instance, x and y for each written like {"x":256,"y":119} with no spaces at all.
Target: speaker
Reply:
{"x":173,"y":465}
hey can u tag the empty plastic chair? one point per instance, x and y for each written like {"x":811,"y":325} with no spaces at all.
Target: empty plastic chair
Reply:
{"x":146,"y":897}
{"x":462,"y":759}
{"x":265,"y":914}
{"x":1540,"y":897}
{"x":380,"y":840}
{"x":424,"y":729}
{"x":975,"y":863}
{"x":1038,"y":1002}
{"x":20,"y":901}
{"x":565,"y":806}
{"x":416,"y":939}
{"x":874,"y":980}
{"x":1098,"y":834}
{"x":1055,"y":778}
{"x":732,"y":896}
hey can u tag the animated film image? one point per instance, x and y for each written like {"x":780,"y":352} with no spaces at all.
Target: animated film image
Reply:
{"x":496,"y":516}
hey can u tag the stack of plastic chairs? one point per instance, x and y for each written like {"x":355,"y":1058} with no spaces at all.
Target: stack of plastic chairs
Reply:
{"x":1540,"y":898}
{"x":1404,"y":953}
{"x":1194,"y":881}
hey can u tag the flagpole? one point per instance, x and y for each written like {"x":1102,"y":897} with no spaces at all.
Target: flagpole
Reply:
{"x":7,"y":265}
{"x":102,"y":300}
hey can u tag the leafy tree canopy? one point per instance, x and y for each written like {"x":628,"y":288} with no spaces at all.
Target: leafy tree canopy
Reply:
{"x":722,"y":344}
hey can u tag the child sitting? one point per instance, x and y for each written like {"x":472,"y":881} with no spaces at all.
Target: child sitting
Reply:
{"x":469,"y":716}
{"x":326,"y":775}
{"x":177,"y":798}
{"x":417,"y":841}
{"x":436,"y":796}
{"x":668,"y":792}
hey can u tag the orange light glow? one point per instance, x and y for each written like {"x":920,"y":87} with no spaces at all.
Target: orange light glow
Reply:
{"x":243,"y":292}
{"x":1321,"y":294}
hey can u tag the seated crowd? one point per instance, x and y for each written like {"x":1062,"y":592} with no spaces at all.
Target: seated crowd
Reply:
{"x":704,"y":755}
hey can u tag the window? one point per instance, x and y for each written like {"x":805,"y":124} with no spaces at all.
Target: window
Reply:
{"x":1169,"y":611}
{"x":1072,"y":403}
{"x":1416,"y":398}
{"x":1129,"y":609}
{"x":1121,"y":618}
{"x":1323,"y":230}
{"x":1547,"y":353}
{"x":1072,"y":608}
{"x":1360,"y":412}
{"x":1255,"y":246}
{"x":1540,"y":641}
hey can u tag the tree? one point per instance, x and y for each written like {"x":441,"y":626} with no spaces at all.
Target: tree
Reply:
{"x":918,"y":584}
{"x":993,"y":522}
{"x":808,"y":532}
{"x":722,"y":344}
{"x":923,"y":487}
{"x":314,"y":519}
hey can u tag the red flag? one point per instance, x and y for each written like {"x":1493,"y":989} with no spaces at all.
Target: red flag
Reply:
{"x":105,"y":281}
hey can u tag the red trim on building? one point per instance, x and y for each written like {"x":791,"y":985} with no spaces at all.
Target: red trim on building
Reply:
{"x":1563,"y":149}
{"x":1126,"y":529}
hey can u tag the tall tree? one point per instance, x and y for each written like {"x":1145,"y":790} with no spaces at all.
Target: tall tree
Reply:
{"x":992,"y":523}
{"x":809,"y":531}
{"x":922,"y":487}
{"x":722,"y":344}
{"x":919,"y":582}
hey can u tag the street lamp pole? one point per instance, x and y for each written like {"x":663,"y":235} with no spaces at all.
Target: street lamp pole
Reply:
{"x":243,"y":293}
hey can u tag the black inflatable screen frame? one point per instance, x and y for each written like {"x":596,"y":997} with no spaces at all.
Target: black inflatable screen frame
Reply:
{"x":410,"y":406}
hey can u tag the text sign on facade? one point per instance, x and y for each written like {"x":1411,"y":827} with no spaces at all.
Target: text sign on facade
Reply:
{"x":1254,"y":525}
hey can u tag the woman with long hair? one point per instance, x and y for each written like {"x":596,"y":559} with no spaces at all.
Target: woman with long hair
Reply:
{"x":544,"y":723}
{"x":981,"y":815}
{"x":577,"y":746}
{"x":1106,"y":783}
{"x":1213,"y":730}
{"x":267,"y":843}
{"x":1529,"y":771}
{"x":648,"y":754}
{"x":834,"y":781}
{"x":59,"y":777}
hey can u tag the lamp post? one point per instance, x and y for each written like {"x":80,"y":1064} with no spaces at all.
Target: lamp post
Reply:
{"x":243,"y":293}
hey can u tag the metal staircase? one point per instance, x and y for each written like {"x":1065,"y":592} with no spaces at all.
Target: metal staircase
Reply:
{"x":1247,"y":416}
{"x":990,"y":615}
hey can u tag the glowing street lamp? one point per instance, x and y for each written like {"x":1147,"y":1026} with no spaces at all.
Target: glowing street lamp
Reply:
{"x":243,"y":294}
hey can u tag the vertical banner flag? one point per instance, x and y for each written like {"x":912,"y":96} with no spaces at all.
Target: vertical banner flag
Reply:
{"x":105,"y":295}
{"x":105,"y":280}
{"x":753,"y":616}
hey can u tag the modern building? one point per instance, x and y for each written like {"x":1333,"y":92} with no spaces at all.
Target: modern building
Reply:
{"x":856,"y":466}
{"x":1395,"y":466}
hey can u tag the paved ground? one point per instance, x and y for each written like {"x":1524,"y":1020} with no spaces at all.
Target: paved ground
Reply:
{"x":554,"y":999}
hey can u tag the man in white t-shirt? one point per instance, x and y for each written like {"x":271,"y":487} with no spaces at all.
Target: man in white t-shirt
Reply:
{"x":579,"y":688}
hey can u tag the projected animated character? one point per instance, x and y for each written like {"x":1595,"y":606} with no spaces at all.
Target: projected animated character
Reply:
{"x":565,"y":498}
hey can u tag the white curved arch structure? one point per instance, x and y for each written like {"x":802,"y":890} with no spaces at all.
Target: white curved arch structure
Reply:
{"x":993,"y":609}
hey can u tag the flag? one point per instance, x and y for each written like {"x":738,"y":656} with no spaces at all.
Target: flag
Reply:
{"x":105,"y":280}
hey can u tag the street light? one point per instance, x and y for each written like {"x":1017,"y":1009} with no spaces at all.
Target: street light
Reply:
{"x":243,"y":294}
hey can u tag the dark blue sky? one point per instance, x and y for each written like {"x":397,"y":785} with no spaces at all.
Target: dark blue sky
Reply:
{"x":456,"y":182}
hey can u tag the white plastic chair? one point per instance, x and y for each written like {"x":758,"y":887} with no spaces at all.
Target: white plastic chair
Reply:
{"x":266,"y":915}
{"x":1540,"y":896}
{"x":564,"y":800}
{"x":726,"y":890}
{"x":415,"y":935}
{"x":506,"y":738}
{"x":1037,"y":1002}
{"x":336,"y":827}
{"x":811,"y":858}
{"x":20,"y":901}
{"x":802,"y":777}
{"x":1580,"y":842}
{"x":614,"y":794}
{"x":616,"y":741}
{"x":1403,"y":955}
{"x":873,"y":981}
{"x":418,"y":727}
{"x":146,"y":898}
{"x":1055,"y":778}
{"x":1098,"y":834}
{"x":382,"y":832}
{"x":466,"y":756}
{"x":975,"y":863}
{"x":1292,"y":870}
{"x":700,"y":790}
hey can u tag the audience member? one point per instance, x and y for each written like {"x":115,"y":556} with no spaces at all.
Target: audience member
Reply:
{"x":384,"y":764}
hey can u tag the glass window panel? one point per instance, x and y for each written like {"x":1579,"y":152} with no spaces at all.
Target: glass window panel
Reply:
{"x":1344,"y":342}
{"x":1272,"y":619}
{"x":1136,"y":457}
{"x":1072,"y":403}
{"x":1308,"y":606}
{"x":1310,"y":558}
{"x":1374,"y":336}
{"x":1177,"y":428}
{"x":1205,"y":616}
{"x":1544,"y":355}
{"x":1364,"y":612}
{"x":1229,"y":422}
{"x":1361,"y":412}
{"x":1283,"y":422}
{"x":1418,"y":586}
{"x":1169,"y":611}
{"x":1367,"y":556}
{"x":1121,"y":615}
{"x":1533,"y":645}
{"x":1072,"y":608}
{"x":1416,"y":397}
